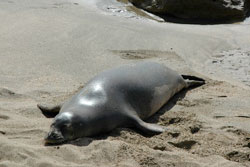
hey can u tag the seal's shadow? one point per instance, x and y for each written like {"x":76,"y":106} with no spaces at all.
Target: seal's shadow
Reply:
{"x":154,"y":119}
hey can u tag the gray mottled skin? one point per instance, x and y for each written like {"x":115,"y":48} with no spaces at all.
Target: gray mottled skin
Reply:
{"x":120,"y":97}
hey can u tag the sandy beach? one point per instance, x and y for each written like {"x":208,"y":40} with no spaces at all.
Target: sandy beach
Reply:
{"x":50,"y":48}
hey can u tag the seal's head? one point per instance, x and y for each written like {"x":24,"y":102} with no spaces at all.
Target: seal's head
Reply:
{"x":61,"y":130}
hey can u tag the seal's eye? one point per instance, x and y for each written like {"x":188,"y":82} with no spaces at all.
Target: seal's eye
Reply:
{"x":67,"y":131}
{"x":65,"y":127}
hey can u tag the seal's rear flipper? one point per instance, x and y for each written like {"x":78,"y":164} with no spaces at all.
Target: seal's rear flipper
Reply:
{"x":49,"y":111}
{"x":193,"y":81}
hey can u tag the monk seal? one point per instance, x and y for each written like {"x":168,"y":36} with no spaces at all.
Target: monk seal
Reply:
{"x":120,"y":97}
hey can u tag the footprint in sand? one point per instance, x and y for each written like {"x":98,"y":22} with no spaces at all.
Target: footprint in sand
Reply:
{"x":6,"y":93}
{"x":4,"y":117}
{"x":238,"y":156}
{"x":147,"y":54}
{"x":186,"y":144}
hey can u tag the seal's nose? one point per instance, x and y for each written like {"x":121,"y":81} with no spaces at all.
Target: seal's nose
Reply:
{"x":53,"y":137}
{"x":50,"y":135}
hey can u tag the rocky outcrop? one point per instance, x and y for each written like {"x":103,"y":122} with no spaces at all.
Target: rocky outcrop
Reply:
{"x":197,"y":9}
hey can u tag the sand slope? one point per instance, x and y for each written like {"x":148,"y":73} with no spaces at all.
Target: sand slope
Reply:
{"x":49,"y":49}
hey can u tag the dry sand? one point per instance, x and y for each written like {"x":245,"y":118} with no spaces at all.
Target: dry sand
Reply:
{"x":50,"y":48}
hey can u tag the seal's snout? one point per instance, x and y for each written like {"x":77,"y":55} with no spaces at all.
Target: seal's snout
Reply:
{"x":54,"y":137}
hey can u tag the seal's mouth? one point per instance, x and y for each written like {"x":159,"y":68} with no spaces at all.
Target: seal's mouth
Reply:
{"x":54,"y":137}
{"x":53,"y":142}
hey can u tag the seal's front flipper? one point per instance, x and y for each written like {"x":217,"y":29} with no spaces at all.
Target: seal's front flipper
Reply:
{"x":148,"y":128}
{"x":49,"y":111}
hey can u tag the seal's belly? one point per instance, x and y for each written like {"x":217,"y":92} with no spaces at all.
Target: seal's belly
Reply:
{"x":148,"y":100}
{"x":162,"y":94}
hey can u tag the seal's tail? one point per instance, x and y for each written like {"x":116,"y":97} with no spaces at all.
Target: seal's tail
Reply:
{"x":193,"y":81}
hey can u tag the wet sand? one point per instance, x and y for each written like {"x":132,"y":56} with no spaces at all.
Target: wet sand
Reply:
{"x":51,"y":48}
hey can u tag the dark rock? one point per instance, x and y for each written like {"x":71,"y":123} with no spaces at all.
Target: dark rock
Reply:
{"x":198,"y":9}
